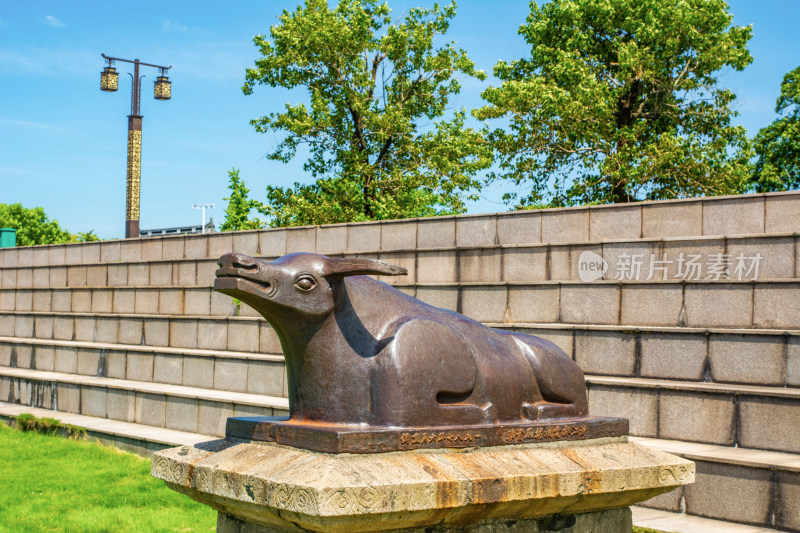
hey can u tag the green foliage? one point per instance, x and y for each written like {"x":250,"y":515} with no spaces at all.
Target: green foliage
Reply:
{"x":32,"y":225}
{"x":778,"y":145}
{"x":26,"y":422}
{"x":619,"y":102}
{"x":59,"y":485}
{"x":379,"y":145}
{"x":49,"y":426}
{"x":89,"y":236}
{"x":239,"y":206}
{"x":75,"y":432}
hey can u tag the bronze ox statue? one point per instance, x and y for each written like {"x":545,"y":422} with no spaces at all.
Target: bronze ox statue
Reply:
{"x":359,"y":351}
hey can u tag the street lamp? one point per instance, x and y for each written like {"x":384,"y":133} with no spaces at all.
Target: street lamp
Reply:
{"x":162,"y":91}
{"x":203,"y":207}
{"x":109,"y":79}
{"x":163,"y":87}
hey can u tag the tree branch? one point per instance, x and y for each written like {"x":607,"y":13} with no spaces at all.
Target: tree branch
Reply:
{"x":375,"y":62}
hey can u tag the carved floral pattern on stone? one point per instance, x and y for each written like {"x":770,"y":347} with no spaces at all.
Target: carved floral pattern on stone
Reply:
{"x":674,"y":475}
{"x":294,"y":498}
{"x":349,"y":500}
{"x":202,"y":479}
{"x":169,"y":470}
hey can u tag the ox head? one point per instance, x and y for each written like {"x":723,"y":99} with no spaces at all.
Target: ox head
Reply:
{"x":295,"y":283}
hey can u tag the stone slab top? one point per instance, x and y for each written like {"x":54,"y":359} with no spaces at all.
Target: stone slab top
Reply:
{"x":697,"y":451}
{"x":344,"y":438}
{"x":289,"y":488}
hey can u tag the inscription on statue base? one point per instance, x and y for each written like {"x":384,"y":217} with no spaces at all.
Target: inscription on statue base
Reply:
{"x":341,"y":438}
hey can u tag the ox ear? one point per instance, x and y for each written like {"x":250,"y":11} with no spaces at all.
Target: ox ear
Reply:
{"x":336,"y":266}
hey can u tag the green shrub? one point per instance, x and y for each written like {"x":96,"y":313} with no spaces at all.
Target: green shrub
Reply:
{"x":75,"y":432}
{"x":49,"y":426}
{"x":26,"y":422}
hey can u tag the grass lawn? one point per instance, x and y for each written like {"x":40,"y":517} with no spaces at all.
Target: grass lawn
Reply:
{"x":48,"y":483}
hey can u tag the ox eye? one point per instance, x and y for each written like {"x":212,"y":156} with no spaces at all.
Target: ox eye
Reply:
{"x":305,"y":283}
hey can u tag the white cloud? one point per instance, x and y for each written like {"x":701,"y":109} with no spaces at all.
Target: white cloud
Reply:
{"x":168,"y":25}
{"x":54,"y":22}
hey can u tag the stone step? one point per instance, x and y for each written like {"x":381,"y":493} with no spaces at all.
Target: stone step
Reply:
{"x":717,"y":355}
{"x":206,"y":369}
{"x":137,"y":438}
{"x":235,"y":334}
{"x":667,"y":522}
{"x":713,"y":453}
{"x":713,"y":413}
{"x":746,"y":416}
{"x":741,"y":485}
{"x":750,"y":214}
{"x":655,"y":407}
{"x":182,"y":408}
{"x":769,"y":256}
{"x":773,"y":304}
{"x":725,"y":355}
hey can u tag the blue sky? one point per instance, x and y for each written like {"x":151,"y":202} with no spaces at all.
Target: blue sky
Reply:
{"x":63,"y":141}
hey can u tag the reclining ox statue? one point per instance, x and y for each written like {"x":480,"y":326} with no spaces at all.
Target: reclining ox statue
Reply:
{"x":359,"y":351}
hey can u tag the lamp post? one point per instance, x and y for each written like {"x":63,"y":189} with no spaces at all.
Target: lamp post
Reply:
{"x":162,"y":91}
{"x":203,"y":207}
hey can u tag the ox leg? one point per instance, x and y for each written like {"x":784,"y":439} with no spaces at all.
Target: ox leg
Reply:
{"x":560,"y":382}
{"x":547,"y":410}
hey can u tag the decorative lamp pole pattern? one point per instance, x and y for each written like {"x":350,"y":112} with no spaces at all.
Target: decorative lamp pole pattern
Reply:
{"x":162,"y":91}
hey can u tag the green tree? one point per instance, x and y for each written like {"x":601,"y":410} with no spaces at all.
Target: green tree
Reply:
{"x":379,"y":145}
{"x":778,"y":145}
{"x":619,"y":102}
{"x":33,"y":226}
{"x":88,"y":236}
{"x":239,"y":206}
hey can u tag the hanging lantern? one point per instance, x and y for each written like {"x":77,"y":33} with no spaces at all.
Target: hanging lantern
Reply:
{"x":163,"y":88}
{"x":109,"y":79}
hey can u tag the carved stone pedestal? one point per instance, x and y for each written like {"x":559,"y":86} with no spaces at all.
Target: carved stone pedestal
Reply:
{"x":571,"y":487}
